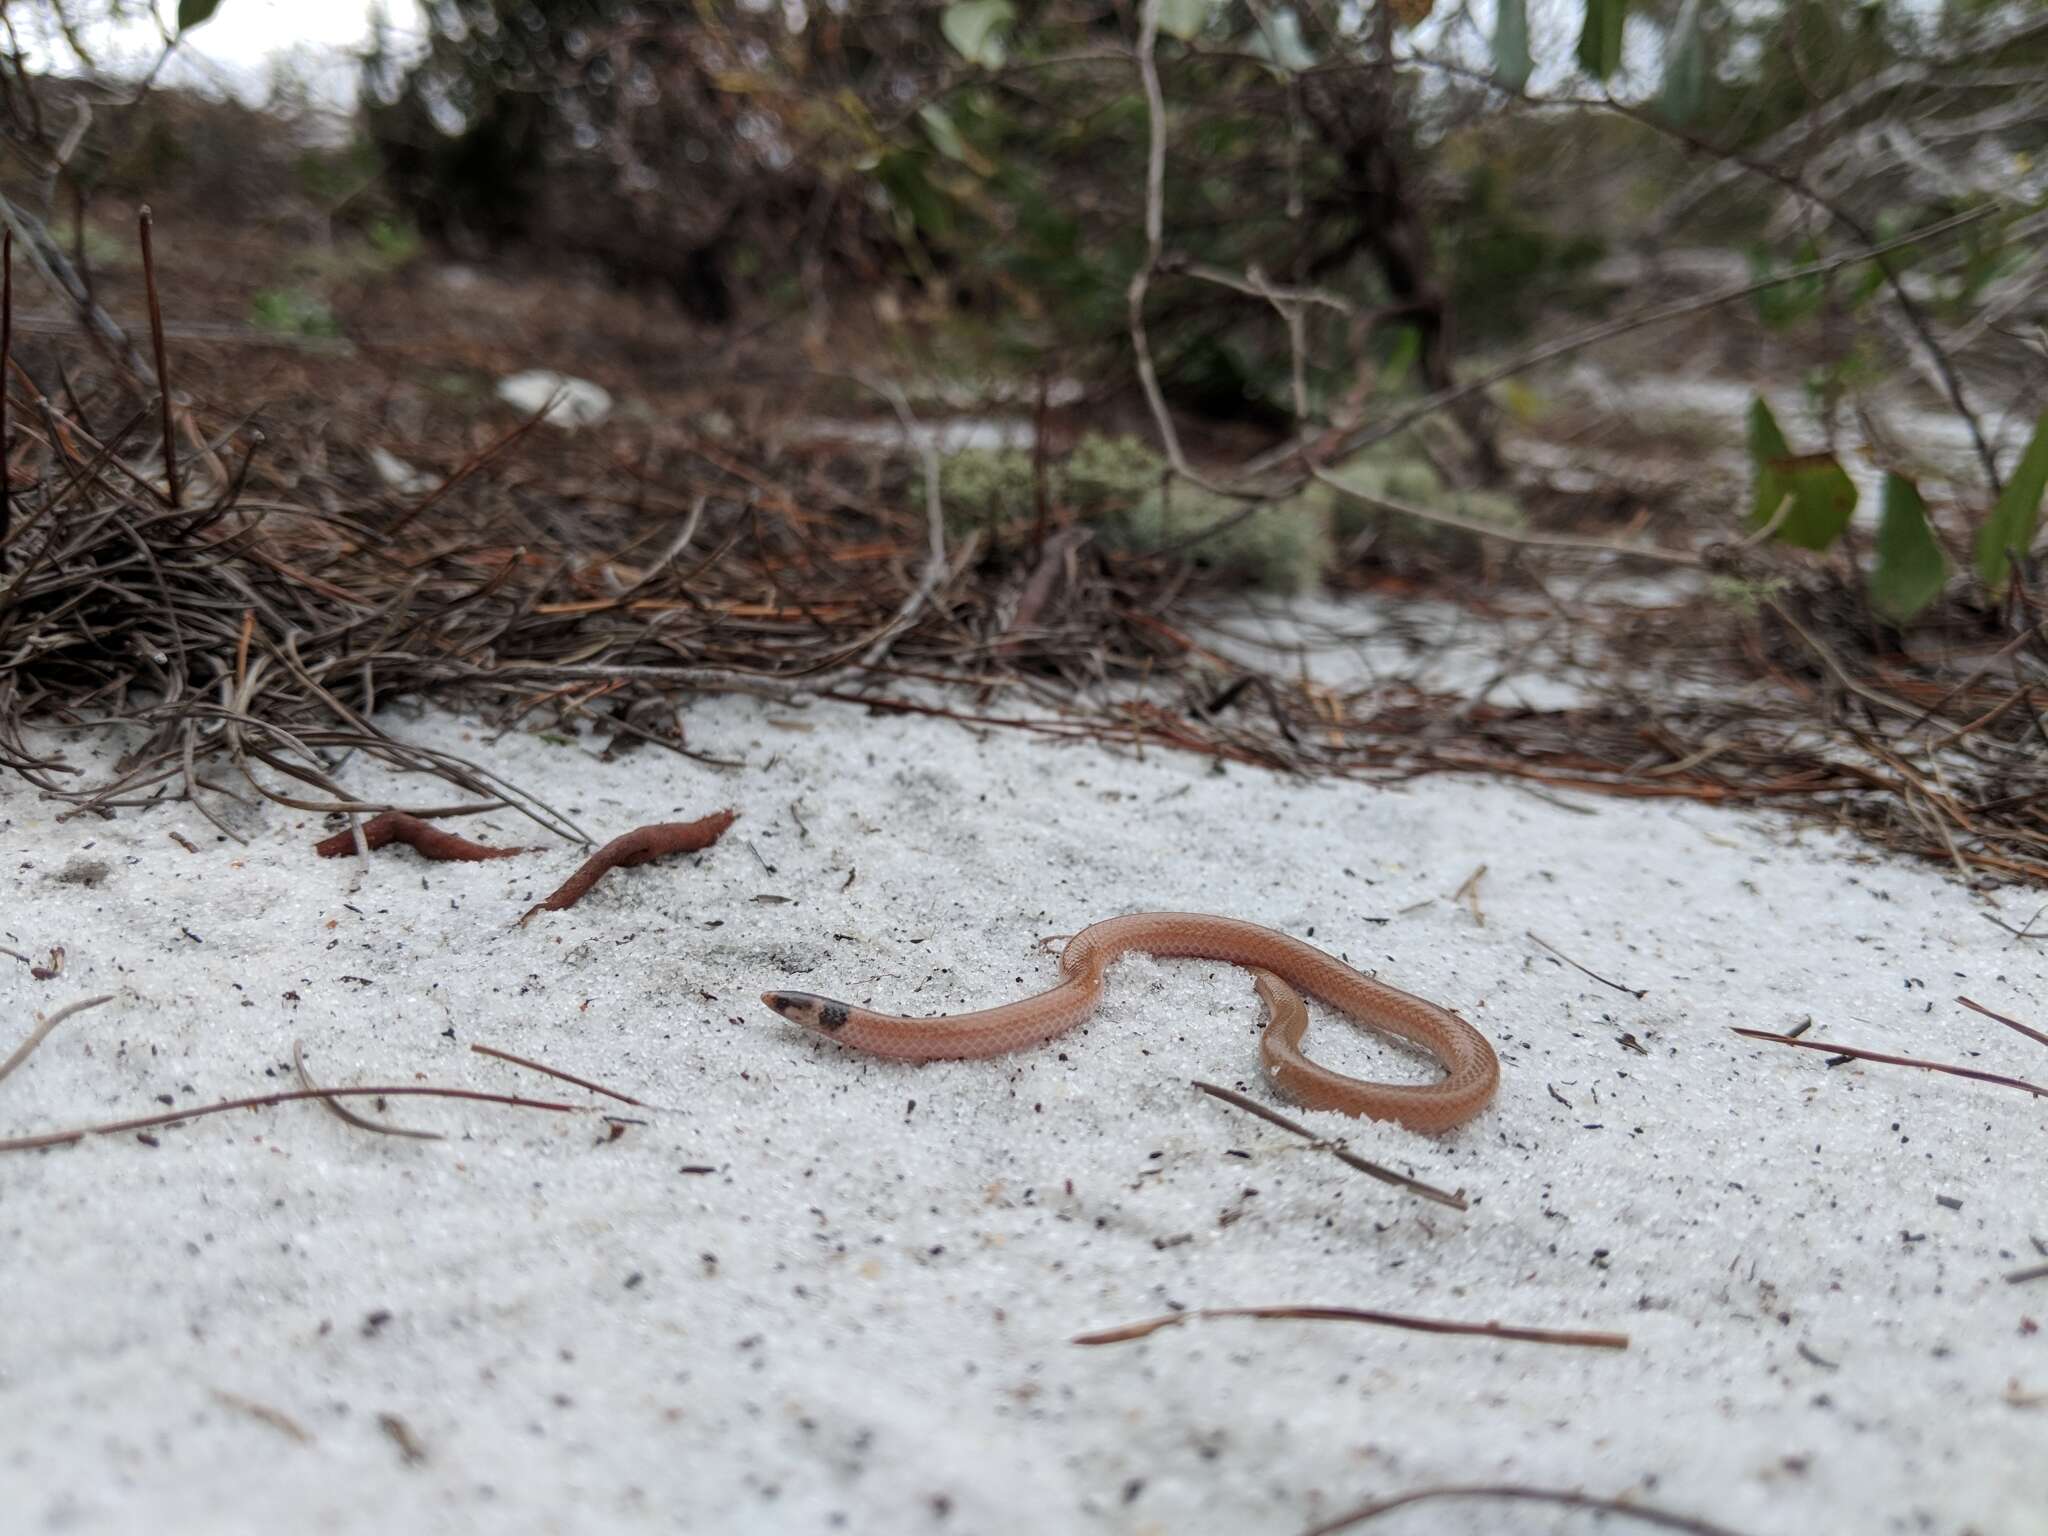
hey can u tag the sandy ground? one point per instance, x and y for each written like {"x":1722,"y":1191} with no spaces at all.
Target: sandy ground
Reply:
{"x":817,"y":1292}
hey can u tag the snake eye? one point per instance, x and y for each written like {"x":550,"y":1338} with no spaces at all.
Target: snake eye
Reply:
{"x":797,"y":1007}
{"x":822,"y":1014}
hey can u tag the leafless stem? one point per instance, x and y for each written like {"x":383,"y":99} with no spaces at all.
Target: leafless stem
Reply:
{"x":1348,"y":1158}
{"x":1128,"y":1331}
{"x":42,"y":1031}
{"x":1517,"y":1492}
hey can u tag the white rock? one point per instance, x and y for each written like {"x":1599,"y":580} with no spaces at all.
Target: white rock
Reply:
{"x":577,"y":402}
{"x":398,"y":474}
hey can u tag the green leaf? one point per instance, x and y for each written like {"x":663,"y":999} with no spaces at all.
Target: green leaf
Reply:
{"x":976,"y":28}
{"x":1911,"y":568}
{"x":1600,"y":41}
{"x":1823,"y":500}
{"x":1401,"y":359}
{"x":1767,"y":446}
{"x":1822,"y":496}
{"x":2010,"y":528}
{"x":938,"y":127}
{"x":1685,"y":69}
{"x":1185,"y":19}
{"x":1511,"y":62}
{"x":192,"y":12}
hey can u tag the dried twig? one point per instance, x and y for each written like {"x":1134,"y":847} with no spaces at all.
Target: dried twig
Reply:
{"x":346,"y":1115}
{"x":263,"y":1413}
{"x":1857,"y":1052}
{"x":1637,"y":993}
{"x":1128,"y":1331}
{"x":2028,"y":1030}
{"x":42,"y":1030}
{"x":556,"y":1072}
{"x":163,"y":373}
{"x":1343,"y":1155}
{"x":264,"y":1101}
{"x":1521,"y":1494}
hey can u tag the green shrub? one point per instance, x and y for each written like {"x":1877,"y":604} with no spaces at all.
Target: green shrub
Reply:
{"x":987,"y":489}
{"x":292,"y":312}
{"x":1110,"y":472}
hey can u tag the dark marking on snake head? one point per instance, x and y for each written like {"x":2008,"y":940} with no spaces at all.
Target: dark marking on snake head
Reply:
{"x":822,"y":1014}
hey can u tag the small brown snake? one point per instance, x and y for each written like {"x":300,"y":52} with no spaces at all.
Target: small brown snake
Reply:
{"x":1281,"y":967}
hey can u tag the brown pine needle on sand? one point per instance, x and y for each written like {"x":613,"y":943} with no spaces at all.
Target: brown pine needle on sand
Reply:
{"x":557,"y":1072}
{"x":1515,"y":1491}
{"x":1151,"y":1325}
{"x":42,"y":1030}
{"x":264,"y":1101}
{"x":1836,"y":1049}
{"x":346,"y":1115}
{"x":1348,"y":1158}
{"x":2014,"y":1024}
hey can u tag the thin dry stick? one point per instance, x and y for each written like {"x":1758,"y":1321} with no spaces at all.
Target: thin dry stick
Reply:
{"x":1517,"y":1491}
{"x":1155,"y":230}
{"x":1897,"y":1061}
{"x":1151,"y":1325}
{"x":42,"y":1030}
{"x":2027,"y":1030}
{"x":263,"y":1413}
{"x":935,"y":520}
{"x":6,"y":356}
{"x":163,"y":373}
{"x":2032,"y":1272}
{"x":346,"y":1115}
{"x":1633,"y":992}
{"x":264,"y":1101}
{"x":1578,"y":341}
{"x":567,"y":1077}
{"x":1349,"y":1159}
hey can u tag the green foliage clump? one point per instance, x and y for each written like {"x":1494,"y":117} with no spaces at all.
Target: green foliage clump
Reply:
{"x":1110,"y":472}
{"x":1391,"y":472}
{"x":986,"y":489}
{"x":1115,"y":484}
{"x":1282,"y":547}
{"x":292,"y":312}
{"x":1745,"y":594}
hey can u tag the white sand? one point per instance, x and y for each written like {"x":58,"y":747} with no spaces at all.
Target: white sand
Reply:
{"x":859,"y":1321}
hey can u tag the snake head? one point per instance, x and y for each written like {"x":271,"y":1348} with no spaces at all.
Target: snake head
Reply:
{"x":820,"y":1015}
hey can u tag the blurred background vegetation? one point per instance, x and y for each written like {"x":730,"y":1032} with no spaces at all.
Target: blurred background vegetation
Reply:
{"x":987,"y":341}
{"x":1362,"y":206}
